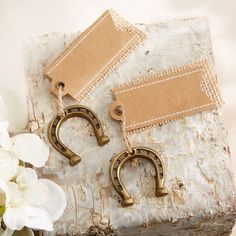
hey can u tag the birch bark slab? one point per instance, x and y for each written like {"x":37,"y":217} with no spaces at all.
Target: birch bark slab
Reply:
{"x":194,"y":149}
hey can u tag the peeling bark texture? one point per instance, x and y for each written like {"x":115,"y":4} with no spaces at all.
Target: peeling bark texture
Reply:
{"x":101,"y":231}
{"x":198,"y":174}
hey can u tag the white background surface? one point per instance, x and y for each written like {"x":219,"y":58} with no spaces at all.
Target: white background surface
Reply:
{"x":19,"y":19}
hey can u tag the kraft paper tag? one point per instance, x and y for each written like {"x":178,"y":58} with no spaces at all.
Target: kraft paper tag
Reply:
{"x":93,"y":54}
{"x":166,"y":96}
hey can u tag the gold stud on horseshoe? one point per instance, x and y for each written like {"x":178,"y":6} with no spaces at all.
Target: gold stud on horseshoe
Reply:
{"x":120,"y":160}
{"x":74,"y":111}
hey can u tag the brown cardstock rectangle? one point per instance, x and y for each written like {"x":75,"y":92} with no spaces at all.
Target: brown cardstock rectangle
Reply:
{"x":93,"y":54}
{"x":166,"y":96}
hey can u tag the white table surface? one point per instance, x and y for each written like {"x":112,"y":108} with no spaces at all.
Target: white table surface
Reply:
{"x":20,"y":19}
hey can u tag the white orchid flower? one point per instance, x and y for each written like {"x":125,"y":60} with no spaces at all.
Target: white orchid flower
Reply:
{"x":41,"y":192}
{"x":31,"y":202}
{"x":26,"y":147}
{"x":26,"y":200}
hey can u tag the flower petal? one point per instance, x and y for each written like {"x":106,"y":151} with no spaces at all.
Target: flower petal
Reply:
{"x":15,"y":218}
{"x":8,"y":164}
{"x":31,"y":149}
{"x":38,"y":219}
{"x":3,"y":193}
{"x":13,"y":195}
{"x":33,"y":192}
{"x":56,"y":203}
{"x":17,"y":214}
{"x":26,"y":176}
{"x":36,"y":194}
{"x":5,"y":141}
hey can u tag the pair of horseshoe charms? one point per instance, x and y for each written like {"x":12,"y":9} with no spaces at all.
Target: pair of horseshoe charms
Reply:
{"x":117,"y":163}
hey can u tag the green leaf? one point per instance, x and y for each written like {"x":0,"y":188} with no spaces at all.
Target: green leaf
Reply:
{"x":2,"y":210}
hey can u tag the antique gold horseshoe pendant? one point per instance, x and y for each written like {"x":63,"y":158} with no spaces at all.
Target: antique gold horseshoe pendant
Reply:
{"x":118,"y":162}
{"x":58,"y":120}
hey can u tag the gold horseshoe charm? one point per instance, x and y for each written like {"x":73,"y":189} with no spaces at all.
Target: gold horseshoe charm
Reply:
{"x":74,"y":111}
{"x":139,"y":152}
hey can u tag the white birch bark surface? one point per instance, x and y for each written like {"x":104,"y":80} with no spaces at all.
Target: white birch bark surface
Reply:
{"x":194,"y":149}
